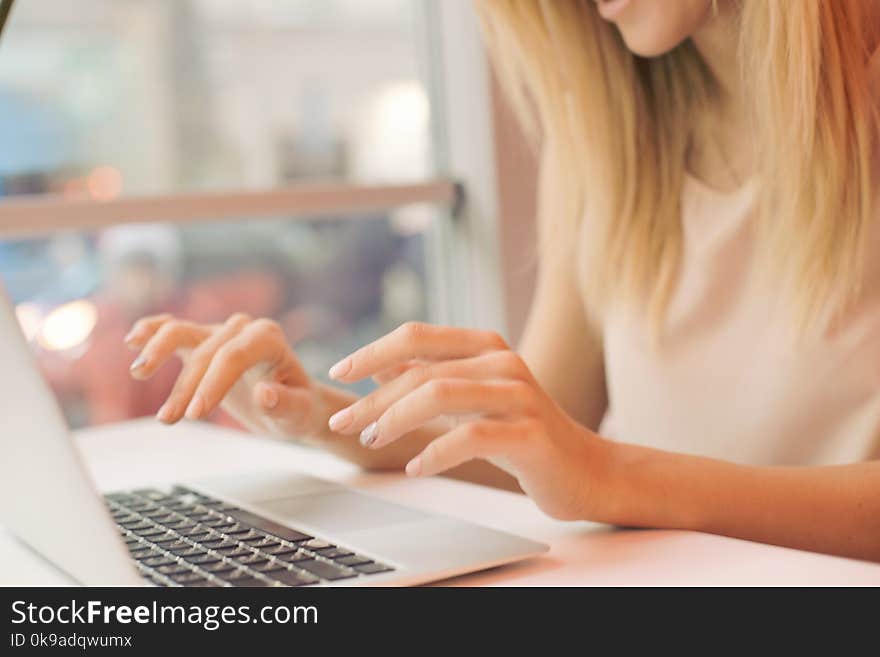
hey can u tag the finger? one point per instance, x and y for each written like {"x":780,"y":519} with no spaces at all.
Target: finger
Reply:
{"x":415,"y":340}
{"x":494,"y":365}
{"x":261,"y":342}
{"x":171,"y":337}
{"x":476,"y":440}
{"x":195,"y":368}
{"x":287,"y":406}
{"x":391,"y":373}
{"x":144,"y":329}
{"x":440,"y":397}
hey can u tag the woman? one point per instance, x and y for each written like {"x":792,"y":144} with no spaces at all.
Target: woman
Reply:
{"x":706,"y":290}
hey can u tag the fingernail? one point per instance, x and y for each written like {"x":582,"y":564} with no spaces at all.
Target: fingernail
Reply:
{"x":165,"y":413}
{"x":341,"y":368}
{"x":128,"y":337}
{"x":341,"y":420}
{"x":137,"y":363}
{"x":270,"y":398}
{"x":369,"y":434}
{"x":196,"y":408}
{"x":414,"y":467}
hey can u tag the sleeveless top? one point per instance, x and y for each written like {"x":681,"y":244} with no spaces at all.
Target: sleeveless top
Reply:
{"x":728,"y":378}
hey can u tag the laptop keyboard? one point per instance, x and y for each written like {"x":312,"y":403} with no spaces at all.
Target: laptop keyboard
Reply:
{"x":184,"y":538}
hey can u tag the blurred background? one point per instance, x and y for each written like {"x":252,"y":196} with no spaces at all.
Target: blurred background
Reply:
{"x":109,"y":99}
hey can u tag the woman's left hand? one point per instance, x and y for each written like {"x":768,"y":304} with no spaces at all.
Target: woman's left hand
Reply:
{"x":495,"y":408}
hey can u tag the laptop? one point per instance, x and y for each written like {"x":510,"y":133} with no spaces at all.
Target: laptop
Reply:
{"x":276,"y":528}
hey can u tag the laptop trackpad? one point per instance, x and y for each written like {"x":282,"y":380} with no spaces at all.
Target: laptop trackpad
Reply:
{"x":338,"y":511}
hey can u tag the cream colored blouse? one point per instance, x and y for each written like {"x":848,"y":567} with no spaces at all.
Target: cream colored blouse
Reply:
{"x":727,"y":379}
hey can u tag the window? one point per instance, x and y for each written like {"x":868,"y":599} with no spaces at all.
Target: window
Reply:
{"x":287,"y":158}
{"x":110,"y":97}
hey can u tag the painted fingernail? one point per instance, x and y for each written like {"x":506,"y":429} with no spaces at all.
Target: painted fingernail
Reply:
{"x":341,"y":368}
{"x":270,"y":398}
{"x":369,"y":434}
{"x":414,"y":467}
{"x":341,"y":420}
{"x":138,"y":363}
{"x":165,"y":413}
{"x":196,"y":408}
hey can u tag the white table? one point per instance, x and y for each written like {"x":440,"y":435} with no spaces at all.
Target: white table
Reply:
{"x":144,"y":452}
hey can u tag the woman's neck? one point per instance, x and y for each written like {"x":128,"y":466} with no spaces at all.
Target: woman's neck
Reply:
{"x":721,"y":156}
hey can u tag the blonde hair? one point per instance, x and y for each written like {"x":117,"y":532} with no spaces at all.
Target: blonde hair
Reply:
{"x":618,"y":128}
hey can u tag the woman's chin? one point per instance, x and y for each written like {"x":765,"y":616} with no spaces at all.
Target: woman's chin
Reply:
{"x":649,"y":45}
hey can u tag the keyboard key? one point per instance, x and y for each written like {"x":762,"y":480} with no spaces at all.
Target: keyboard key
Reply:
{"x":251,"y":559}
{"x":210,"y":538}
{"x":166,"y":518}
{"x":293,"y":557}
{"x":219,"y":543}
{"x":183,"y":523}
{"x":317,"y":544}
{"x":135,"y":525}
{"x":263,"y":543}
{"x":188,"y":508}
{"x":268,"y":526}
{"x":372,"y":568}
{"x":353,"y":560}
{"x":325,"y":570}
{"x":214,"y":522}
{"x":142,"y":506}
{"x":126,"y":519}
{"x":293,"y":577}
{"x":251,"y":535}
{"x":230,"y":528}
{"x":279,"y":549}
{"x":268,"y":566}
{"x":202,"y":558}
{"x":150,"y":532}
{"x":165,"y":539}
{"x":161,"y":560}
{"x":173,"y":569}
{"x":177,"y":545}
{"x":193,"y":532}
{"x":235,"y":575}
{"x":234,"y":551}
{"x":189,"y":551}
{"x":147,"y":553}
{"x":334,"y":553}
{"x":195,"y":507}
{"x":217,"y":504}
{"x":218,"y":567}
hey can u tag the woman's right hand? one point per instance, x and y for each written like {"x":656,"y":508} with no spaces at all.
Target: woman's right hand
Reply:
{"x":244,"y":364}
